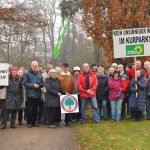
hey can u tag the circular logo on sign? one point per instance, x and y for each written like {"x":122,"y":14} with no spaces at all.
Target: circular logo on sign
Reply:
{"x":69,"y":103}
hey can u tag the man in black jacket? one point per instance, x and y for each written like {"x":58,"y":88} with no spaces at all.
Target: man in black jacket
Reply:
{"x":102,"y":91}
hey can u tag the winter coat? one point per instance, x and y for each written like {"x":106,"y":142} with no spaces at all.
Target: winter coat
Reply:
{"x":102,"y":88}
{"x":93,"y":83}
{"x":115,"y":87}
{"x":53,"y":87}
{"x":13,"y":99}
{"x":30,"y":79}
{"x":148,"y":87}
{"x":67,"y":82}
{"x":2,"y":92}
{"x":138,"y":102}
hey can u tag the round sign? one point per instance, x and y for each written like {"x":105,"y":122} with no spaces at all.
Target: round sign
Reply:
{"x":69,"y":103}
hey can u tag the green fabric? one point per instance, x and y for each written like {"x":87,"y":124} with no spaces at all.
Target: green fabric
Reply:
{"x":61,"y":39}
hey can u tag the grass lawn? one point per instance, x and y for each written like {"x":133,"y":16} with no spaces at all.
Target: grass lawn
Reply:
{"x":110,"y":135}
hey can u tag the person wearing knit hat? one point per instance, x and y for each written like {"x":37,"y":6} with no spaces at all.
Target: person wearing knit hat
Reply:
{"x":13,"y":99}
{"x":52,"y":98}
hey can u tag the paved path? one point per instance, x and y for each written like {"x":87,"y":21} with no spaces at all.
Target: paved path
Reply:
{"x":40,"y":138}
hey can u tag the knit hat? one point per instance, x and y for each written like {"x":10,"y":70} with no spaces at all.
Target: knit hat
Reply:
{"x":124,"y":76}
{"x":14,"y":68}
{"x":52,"y":71}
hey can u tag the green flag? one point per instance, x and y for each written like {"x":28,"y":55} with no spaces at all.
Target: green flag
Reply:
{"x":60,"y":41}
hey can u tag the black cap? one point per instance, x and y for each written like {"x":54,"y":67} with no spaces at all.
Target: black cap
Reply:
{"x":66,"y":65}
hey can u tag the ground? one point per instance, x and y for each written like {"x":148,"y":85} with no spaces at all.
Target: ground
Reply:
{"x":39,"y":138}
{"x":110,"y":135}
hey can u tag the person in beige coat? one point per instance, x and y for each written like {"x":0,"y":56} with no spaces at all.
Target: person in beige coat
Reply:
{"x":2,"y":100}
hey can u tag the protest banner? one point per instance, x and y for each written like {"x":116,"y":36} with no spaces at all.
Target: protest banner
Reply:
{"x":133,"y":42}
{"x":4,"y":74}
{"x":69,"y":104}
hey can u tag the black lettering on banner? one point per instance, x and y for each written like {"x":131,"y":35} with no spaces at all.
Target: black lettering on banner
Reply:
{"x":2,"y":77}
{"x":121,"y":41}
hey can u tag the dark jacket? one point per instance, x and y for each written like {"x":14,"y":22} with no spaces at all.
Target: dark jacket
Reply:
{"x":53,"y":87}
{"x":138,"y":102}
{"x":13,"y":100}
{"x":30,"y":79}
{"x":102,"y":89}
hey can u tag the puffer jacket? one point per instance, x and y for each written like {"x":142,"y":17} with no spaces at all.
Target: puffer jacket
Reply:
{"x":140,"y":100}
{"x":115,"y":86}
{"x":93,"y":83}
{"x":30,"y":79}
{"x":13,"y":99}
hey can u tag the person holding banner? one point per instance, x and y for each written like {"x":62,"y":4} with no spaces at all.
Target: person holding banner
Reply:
{"x":13,"y":99}
{"x":52,"y":97}
{"x":67,"y":83}
{"x":87,"y":84}
{"x":137,"y":100}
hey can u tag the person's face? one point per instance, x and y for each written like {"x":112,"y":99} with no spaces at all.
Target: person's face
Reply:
{"x":23,"y":69}
{"x":138,"y":73}
{"x":86,"y":68}
{"x":148,"y":72}
{"x":116,"y":75}
{"x":53,"y":75}
{"x":76,"y":73}
{"x":120,"y":69}
{"x":65,"y":69}
{"x":100,"y":72}
{"x":94,"y":68}
{"x":41,"y":69}
{"x":127,"y":68}
{"x":49,"y":68}
{"x":111,"y":71}
{"x":20,"y":73}
{"x":34,"y":67}
{"x":14,"y":73}
{"x":147,"y":64}
{"x":138,"y":64}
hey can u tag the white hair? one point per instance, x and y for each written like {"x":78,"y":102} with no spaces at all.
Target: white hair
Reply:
{"x":86,"y":64}
{"x":34,"y":62}
{"x":120,"y":66}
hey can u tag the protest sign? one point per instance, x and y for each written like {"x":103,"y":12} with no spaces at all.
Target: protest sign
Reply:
{"x":69,"y":103}
{"x":131,"y":42}
{"x":4,"y":74}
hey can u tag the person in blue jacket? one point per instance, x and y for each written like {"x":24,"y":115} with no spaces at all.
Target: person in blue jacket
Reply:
{"x":33,"y":83}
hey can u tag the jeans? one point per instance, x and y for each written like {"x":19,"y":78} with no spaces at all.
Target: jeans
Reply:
{"x":93,"y":102}
{"x":102,"y":105}
{"x":116,"y":107}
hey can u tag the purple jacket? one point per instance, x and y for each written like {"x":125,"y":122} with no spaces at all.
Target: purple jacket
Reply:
{"x":114,"y":89}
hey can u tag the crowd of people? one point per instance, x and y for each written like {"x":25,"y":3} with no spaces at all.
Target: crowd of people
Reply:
{"x":33,"y":94}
